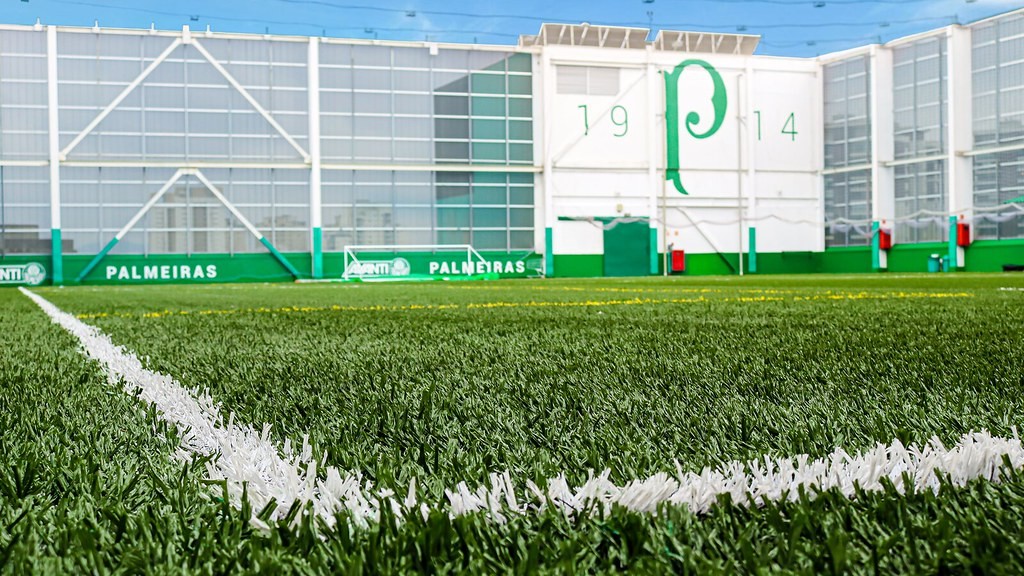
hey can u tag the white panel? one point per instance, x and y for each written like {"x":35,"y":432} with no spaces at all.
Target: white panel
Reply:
{"x":721,"y":150}
{"x":786,"y":186}
{"x":787,"y":212}
{"x":608,"y":187}
{"x":606,"y":130}
{"x":786,"y":119}
{"x":702,"y":229}
{"x":571,"y":79}
{"x":720,"y":185}
{"x":578,"y":238}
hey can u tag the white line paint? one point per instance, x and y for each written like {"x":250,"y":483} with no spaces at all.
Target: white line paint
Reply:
{"x":243,"y":455}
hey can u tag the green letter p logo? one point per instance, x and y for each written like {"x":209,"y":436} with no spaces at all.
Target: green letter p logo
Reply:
{"x":718,"y":100}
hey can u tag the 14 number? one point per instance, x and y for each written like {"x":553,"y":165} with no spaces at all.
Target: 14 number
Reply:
{"x":789,"y":128}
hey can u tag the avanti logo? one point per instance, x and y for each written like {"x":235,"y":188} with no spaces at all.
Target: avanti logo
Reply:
{"x":32,"y":274}
{"x":719,"y":101}
{"x":371,"y":268}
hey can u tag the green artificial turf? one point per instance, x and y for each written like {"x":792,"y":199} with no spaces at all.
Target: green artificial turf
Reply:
{"x":449,"y":382}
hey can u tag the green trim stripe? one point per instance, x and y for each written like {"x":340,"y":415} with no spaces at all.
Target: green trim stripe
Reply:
{"x":57,"y":253}
{"x":654,"y":251}
{"x":876,"y":256}
{"x":280,"y":257}
{"x":318,"y":253}
{"x":752,"y":250}
{"x":952,"y":244}
{"x":549,"y":253}
{"x":96,"y":259}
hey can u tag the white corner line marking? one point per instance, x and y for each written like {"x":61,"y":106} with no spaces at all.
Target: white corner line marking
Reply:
{"x":244,"y":457}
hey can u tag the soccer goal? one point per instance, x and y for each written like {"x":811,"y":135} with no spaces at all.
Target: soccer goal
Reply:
{"x":384,"y":263}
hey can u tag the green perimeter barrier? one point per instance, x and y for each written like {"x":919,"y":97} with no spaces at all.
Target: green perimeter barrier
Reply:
{"x":982,"y":256}
{"x":397,"y":263}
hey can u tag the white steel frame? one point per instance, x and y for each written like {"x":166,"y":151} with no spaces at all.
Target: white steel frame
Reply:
{"x":156,"y":198}
{"x":351,"y":250}
{"x":309,"y":159}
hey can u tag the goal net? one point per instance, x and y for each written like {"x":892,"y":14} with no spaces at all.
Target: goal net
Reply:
{"x":384,"y":263}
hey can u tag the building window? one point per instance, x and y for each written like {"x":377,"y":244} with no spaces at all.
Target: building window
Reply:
{"x":847,"y":113}
{"x":920,"y":199}
{"x":997,"y":60}
{"x":587,"y":80}
{"x":848,"y":208}
{"x":383,"y":105}
{"x":919,"y":98}
{"x":188,"y":219}
{"x":24,"y":210}
{"x":487,"y":210}
{"x":847,"y":144}
{"x":998,"y":195}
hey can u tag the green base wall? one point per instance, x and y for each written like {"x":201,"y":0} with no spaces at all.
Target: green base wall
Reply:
{"x":167,"y":268}
{"x":579,"y":265}
{"x":258,"y":267}
{"x":991,"y":255}
{"x":982,"y":256}
{"x":228,"y":268}
{"x":914,"y":257}
{"x":420,"y":262}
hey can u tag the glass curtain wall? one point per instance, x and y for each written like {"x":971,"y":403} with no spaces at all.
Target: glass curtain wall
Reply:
{"x":847,"y":152}
{"x":919,"y":131}
{"x":999,"y":183}
{"x":24,"y":190}
{"x":184,"y":111}
{"x":998,"y":77}
{"x":388,"y":115}
{"x":188,"y":218}
{"x":385,"y":105}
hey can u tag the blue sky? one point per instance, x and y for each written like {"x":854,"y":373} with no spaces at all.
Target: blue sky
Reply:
{"x":787,"y":27}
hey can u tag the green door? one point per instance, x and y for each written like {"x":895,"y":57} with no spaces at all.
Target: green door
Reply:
{"x":627,"y":249}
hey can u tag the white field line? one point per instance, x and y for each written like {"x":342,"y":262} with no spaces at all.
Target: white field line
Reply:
{"x":243,"y":456}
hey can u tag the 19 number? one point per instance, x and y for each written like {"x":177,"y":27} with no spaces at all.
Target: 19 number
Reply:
{"x":619,"y":117}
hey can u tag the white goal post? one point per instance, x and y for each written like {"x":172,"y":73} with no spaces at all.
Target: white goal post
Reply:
{"x":374,"y":267}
